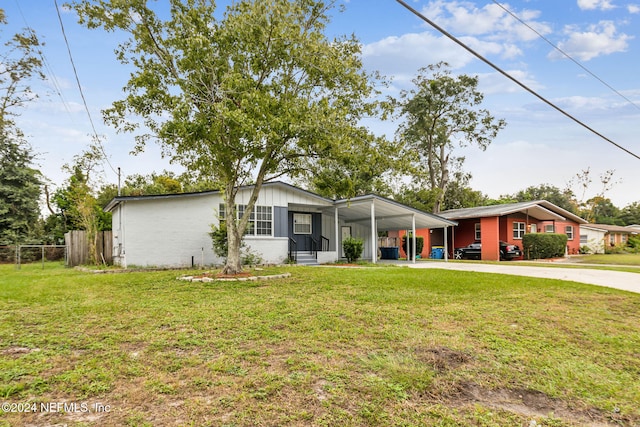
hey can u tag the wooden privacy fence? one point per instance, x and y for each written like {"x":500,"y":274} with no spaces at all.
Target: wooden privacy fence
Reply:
{"x":78,"y":247}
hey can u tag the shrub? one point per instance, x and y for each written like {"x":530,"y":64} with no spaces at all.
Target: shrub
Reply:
{"x":544,"y":245}
{"x":352,"y":248}
{"x":219,"y":239}
{"x":407,"y":241}
{"x":634,"y":244}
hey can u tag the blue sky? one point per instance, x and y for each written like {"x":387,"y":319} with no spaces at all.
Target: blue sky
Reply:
{"x":538,"y":146}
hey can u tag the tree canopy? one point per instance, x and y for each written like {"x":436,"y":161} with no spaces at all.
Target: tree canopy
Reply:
{"x":20,"y":185}
{"x":241,"y":98}
{"x":440,"y":113}
{"x":20,"y":181}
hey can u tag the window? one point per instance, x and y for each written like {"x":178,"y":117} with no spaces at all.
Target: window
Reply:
{"x":549,"y":228}
{"x":302,"y":224}
{"x":478,"y":234}
{"x":264,"y":220}
{"x":260,"y":220}
{"x":519,"y":230}
{"x":250,"y":231}
{"x":222,"y":212}
{"x":568,"y":230}
{"x":584,"y":239}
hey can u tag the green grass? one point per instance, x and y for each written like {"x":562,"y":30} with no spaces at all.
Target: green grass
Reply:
{"x":327,"y":346}
{"x":612,"y":259}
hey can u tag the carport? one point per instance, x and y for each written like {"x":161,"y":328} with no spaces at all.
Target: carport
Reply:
{"x":382,"y":214}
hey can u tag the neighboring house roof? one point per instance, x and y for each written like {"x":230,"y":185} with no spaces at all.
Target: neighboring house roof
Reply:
{"x":540,"y":209}
{"x":390,"y":215}
{"x":611,"y":228}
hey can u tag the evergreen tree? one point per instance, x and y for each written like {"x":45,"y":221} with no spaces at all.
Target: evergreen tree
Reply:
{"x":19,"y":181}
{"x":20,"y":185}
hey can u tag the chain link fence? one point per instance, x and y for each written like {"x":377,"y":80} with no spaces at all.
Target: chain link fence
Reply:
{"x":21,"y":254}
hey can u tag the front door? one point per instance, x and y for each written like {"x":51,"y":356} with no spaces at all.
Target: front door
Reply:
{"x":305,"y":227}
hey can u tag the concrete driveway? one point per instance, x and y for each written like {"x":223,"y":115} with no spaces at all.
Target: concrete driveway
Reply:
{"x":611,"y":279}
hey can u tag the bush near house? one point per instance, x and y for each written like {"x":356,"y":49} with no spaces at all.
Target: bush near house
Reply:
{"x":352,"y":248}
{"x":633,"y":244}
{"x":407,"y":242}
{"x":544,"y":245}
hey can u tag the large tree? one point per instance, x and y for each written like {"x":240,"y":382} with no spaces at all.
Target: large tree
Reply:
{"x":20,"y":181}
{"x":20,"y":185}
{"x":441,"y":113}
{"x":562,"y":198}
{"x":365,"y":166}
{"x":240,"y":98}
{"x":630,"y":214}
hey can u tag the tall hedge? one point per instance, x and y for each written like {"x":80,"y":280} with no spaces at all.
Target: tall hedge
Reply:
{"x":544,"y":245}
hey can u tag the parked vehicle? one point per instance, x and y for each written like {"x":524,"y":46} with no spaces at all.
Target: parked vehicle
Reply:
{"x":474,"y":251}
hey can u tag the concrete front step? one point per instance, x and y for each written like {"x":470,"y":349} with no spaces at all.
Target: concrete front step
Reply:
{"x":305,"y":258}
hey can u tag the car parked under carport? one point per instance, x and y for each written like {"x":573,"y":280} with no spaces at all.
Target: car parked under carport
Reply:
{"x":474,"y":251}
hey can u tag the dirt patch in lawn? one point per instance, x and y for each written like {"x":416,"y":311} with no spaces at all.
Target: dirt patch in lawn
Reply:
{"x":17,"y":351}
{"x":443,"y":358}
{"x":532,"y":403}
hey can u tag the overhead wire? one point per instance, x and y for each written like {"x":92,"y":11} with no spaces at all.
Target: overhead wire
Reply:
{"x":51,"y":74}
{"x":513,"y":79}
{"x":565,"y":54}
{"x":84,"y":101}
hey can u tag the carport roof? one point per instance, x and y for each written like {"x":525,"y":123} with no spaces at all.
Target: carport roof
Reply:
{"x":390,"y":215}
{"x":540,"y":209}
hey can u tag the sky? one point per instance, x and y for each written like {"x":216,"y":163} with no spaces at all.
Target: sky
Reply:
{"x":582,"y":55}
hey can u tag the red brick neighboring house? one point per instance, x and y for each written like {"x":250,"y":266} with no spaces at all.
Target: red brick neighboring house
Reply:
{"x":509,"y":223}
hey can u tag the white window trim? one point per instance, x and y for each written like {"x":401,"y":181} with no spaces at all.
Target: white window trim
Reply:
{"x":296,"y":217}
{"x":569,"y":231}
{"x":478,"y":231}
{"x":252,"y":227}
{"x":520,"y":231}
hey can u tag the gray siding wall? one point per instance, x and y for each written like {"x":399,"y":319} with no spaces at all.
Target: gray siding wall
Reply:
{"x":280,"y":215}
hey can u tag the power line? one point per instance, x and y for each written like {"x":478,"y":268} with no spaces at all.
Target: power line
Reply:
{"x":513,"y":79}
{"x":84,"y":101}
{"x":565,"y":54}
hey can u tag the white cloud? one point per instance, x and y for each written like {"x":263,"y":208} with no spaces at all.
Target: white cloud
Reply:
{"x":582,"y":103}
{"x":404,"y":55}
{"x":492,"y":21}
{"x":599,"y":39}
{"x":595,"y":4}
{"x":633,"y":8}
{"x":496,"y":83}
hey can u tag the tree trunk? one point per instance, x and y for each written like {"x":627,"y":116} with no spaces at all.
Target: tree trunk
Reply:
{"x":236,"y":227}
{"x":234,"y":262}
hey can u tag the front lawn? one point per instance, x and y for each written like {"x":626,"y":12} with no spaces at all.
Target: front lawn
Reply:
{"x":612,"y":259}
{"x":327,"y":346}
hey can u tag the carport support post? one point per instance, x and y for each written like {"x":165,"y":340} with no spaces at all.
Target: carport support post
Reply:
{"x":413,"y":234}
{"x":374,"y":234}
{"x":337,"y":234}
{"x":446,"y":243}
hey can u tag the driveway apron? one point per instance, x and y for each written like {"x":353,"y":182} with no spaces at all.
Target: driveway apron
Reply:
{"x":611,"y":279}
